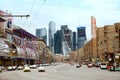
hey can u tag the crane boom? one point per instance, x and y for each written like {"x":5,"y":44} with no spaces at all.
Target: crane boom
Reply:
{"x":15,"y":15}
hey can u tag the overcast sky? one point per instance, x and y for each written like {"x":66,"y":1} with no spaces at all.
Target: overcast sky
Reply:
{"x":73,"y":13}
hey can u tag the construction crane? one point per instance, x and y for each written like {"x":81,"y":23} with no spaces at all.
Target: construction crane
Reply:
{"x":15,"y":16}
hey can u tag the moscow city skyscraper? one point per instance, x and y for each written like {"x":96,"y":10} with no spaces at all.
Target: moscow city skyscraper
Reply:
{"x":81,"y":36}
{"x":73,"y":41}
{"x":42,"y":34}
{"x":52,"y":30}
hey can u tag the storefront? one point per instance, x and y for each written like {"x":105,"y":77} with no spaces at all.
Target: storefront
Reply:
{"x":7,"y":52}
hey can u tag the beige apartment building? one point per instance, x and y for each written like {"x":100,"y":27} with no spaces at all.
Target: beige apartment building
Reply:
{"x":100,"y":44}
{"x":88,"y":51}
{"x":106,"y":45}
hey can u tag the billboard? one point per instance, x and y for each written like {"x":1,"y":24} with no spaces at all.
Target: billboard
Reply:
{"x":2,"y":28}
{"x":8,"y":24}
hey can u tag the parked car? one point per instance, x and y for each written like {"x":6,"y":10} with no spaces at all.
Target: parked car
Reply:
{"x":0,"y":68}
{"x":78,"y":65}
{"x":14,"y":67}
{"x":41,"y":69}
{"x":26,"y":69}
{"x":9,"y":68}
{"x":33,"y":66}
{"x":3,"y":68}
{"x":114,"y":68}
{"x":103,"y":65}
{"x":97,"y":64}
{"x":90,"y":65}
{"x":19,"y":67}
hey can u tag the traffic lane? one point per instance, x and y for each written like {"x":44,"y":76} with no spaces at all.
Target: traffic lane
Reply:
{"x":33,"y":75}
{"x":87,"y":73}
{"x":62,"y":72}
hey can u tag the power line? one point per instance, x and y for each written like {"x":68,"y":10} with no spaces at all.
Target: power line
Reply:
{"x":37,"y":12}
{"x":29,"y":12}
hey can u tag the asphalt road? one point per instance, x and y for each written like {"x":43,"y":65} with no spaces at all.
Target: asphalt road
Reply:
{"x":61,"y":72}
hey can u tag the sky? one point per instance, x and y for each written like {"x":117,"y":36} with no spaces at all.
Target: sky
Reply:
{"x":73,"y":13}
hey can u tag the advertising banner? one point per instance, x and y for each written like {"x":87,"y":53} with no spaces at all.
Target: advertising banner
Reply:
{"x":8,"y":24}
{"x":2,"y":28}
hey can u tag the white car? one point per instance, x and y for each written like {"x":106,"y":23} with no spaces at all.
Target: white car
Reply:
{"x":14,"y":67}
{"x":41,"y":69}
{"x":19,"y":67}
{"x":26,"y":69}
{"x":9,"y":68}
{"x":103,"y":65}
{"x":33,"y":66}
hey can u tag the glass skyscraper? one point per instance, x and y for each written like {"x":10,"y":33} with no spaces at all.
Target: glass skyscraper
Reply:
{"x":52,"y":30}
{"x":81,"y":36}
{"x":58,"y":42}
{"x":42,"y":34}
{"x":74,"y":41}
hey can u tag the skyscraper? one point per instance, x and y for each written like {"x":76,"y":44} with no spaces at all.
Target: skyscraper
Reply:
{"x":52,"y":29}
{"x":66,"y":39}
{"x":42,"y":34}
{"x":74,"y":41}
{"x":93,"y":27}
{"x":81,"y":36}
{"x":58,"y":42}
{"x":63,"y":40}
{"x":93,"y":33}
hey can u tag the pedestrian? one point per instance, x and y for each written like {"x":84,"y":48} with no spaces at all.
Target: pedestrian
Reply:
{"x":114,"y":66}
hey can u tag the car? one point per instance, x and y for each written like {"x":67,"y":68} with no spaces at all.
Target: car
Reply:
{"x":103,"y":65}
{"x":3,"y":68}
{"x":90,"y":65}
{"x":97,"y":64}
{"x":26,"y":65}
{"x":41,"y":69}
{"x":14,"y":67}
{"x":26,"y":69}
{"x":9,"y":68}
{"x":19,"y":67}
{"x":114,"y":68}
{"x":78,"y":65}
{"x":33,"y":66}
{"x":0,"y":68}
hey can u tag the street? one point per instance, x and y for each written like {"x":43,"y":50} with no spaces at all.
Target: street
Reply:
{"x":61,"y":72}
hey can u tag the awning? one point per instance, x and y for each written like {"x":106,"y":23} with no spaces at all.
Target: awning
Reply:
{"x":5,"y":47}
{"x":2,"y":20}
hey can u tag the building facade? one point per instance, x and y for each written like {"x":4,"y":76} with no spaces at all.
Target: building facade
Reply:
{"x":58,"y":42}
{"x":66,"y":39}
{"x":52,"y":30}
{"x":81,"y":37}
{"x":42,"y":34}
{"x":18,"y":47}
{"x":107,"y":45}
{"x":100,"y":43}
{"x":74,"y":41}
{"x":93,"y":38}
